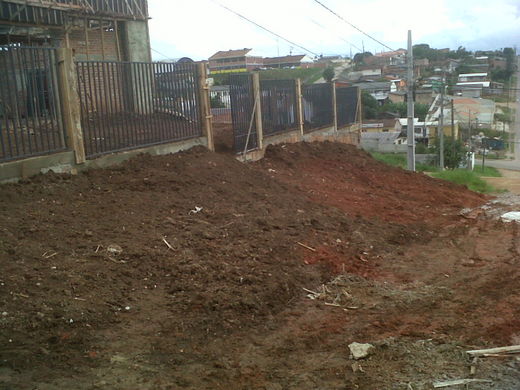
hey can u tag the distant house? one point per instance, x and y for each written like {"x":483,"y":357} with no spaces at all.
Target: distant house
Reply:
{"x":472,"y":77}
{"x":381,"y":125}
{"x":291,"y":61}
{"x":234,"y":61}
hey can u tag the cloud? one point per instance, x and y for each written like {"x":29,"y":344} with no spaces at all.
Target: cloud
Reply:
{"x":198,"y":28}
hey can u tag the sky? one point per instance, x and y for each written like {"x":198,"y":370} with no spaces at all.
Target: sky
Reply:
{"x":199,"y":28}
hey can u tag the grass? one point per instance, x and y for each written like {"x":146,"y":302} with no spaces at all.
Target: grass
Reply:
{"x":472,"y":180}
{"x":399,"y":160}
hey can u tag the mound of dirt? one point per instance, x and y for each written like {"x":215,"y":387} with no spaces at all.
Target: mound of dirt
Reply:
{"x":348,"y":178}
{"x":193,"y":271}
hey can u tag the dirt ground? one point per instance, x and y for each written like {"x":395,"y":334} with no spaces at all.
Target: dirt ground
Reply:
{"x":509,"y":181}
{"x":194,"y":271}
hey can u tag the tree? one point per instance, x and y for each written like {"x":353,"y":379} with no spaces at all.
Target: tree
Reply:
{"x":454,"y":151}
{"x":370,"y":106}
{"x":328,"y":74}
{"x":359,"y":58}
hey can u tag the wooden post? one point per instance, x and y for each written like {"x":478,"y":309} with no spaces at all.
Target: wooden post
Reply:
{"x":205,"y":107}
{"x":360,"y":114}
{"x":334,"y":105}
{"x":299,"y":105}
{"x":71,"y":109}
{"x":258,"y":112}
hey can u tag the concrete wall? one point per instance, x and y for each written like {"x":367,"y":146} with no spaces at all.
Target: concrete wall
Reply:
{"x":65,"y":162}
{"x":347,"y":135}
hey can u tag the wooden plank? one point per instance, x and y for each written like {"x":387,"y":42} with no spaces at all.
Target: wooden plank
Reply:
{"x":459,"y":382}
{"x":494,"y":351}
{"x":70,"y":103}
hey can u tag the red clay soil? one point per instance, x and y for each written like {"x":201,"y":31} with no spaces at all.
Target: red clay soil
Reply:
{"x":348,"y":178}
{"x":192,"y":271}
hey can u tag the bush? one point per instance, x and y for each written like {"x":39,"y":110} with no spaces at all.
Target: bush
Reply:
{"x":454,"y":152}
{"x":328,"y":74}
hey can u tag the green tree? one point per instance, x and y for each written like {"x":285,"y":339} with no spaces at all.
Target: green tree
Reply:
{"x":328,"y":74}
{"x":454,"y":152}
{"x":359,"y":58}
{"x":370,"y":106}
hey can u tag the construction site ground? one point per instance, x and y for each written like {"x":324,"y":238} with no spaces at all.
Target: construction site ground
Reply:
{"x":195,"y":271}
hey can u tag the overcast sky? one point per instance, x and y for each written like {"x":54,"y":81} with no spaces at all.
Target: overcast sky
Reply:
{"x":199,"y":28}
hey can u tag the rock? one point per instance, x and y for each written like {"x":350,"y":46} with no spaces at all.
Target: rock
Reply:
{"x":114,"y":249}
{"x":360,"y":351}
{"x":513,"y":216}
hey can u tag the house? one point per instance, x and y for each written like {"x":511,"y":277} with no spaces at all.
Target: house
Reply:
{"x":381,"y":125}
{"x":116,"y":30}
{"x":290,"y":61}
{"x":471,"y":89}
{"x":472,"y":77}
{"x":234,"y":61}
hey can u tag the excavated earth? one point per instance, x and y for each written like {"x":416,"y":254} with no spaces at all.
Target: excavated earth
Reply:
{"x":195,"y":271}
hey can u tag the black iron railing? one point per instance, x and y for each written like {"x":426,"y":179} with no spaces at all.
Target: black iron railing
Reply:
{"x":242,"y":108}
{"x":347,"y":105}
{"x":279,"y":106}
{"x":30,"y":111}
{"x":131,"y":105}
{"x":318,"y":106}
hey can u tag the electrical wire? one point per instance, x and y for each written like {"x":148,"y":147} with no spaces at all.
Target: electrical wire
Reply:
{"x":343,"y":39}
{"x":158,"y":52}
{"x":352,"y":25}
{"x":264,"y":28}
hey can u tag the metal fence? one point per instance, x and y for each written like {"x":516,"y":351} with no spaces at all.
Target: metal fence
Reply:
{"x":220,"y":102}
{"x":131,"y":105}
{"x":242,"y":107}
{"x":318,"y":106}
{"x":279,"y":102}
{"x":347,"y":105}
{"x":30,"y":111}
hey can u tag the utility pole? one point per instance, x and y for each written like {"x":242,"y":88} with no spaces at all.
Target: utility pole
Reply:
{"x":469,"y":142}
{"x":453,"y":129}
{"x":410,"y":129}
{"x":441,"y":127}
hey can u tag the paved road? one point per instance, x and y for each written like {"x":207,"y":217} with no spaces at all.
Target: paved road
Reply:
{"x":513,"y":164}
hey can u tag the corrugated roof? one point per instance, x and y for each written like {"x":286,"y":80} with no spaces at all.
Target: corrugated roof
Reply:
{"x":473,"y":75}
{"x":230,"y":54}
{"x":283,"y":59}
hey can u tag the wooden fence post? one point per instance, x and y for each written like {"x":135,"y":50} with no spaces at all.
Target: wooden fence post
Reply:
{"x":360,"y":115}
{"x":299,"y":100}
{"x":71,"y":108}
{"x":335,"y":105}
{"x":205,"y":106}
{"x":258,"y":112}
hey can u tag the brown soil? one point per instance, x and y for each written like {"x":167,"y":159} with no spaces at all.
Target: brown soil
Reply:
{"x":92,"y":295}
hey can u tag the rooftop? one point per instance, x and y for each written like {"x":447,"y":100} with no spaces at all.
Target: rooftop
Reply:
{"x":230,"y":54}
{"x":473,"y":75}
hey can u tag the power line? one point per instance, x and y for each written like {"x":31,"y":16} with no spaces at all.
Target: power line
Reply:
{"x":264,"y":28}
{"x":353,"y":26}
{"x":158,"y":52}
{"x":344,"y":40}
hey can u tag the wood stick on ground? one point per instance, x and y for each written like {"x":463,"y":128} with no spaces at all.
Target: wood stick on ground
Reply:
{"x":168,"y":244}
{"x":458,"y":382}
{"x":495,"y":351}
{"x":306,"y":247}
{"x":310,"y":291}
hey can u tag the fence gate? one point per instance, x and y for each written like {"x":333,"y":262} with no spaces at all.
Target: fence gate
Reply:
{"x":347,"y":105}
{"x":31,"y":123}
{"x":242,"y":106}
{"x":129,"y":105}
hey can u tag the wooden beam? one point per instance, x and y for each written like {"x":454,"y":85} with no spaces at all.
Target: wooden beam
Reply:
{"x":493,"y":351}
